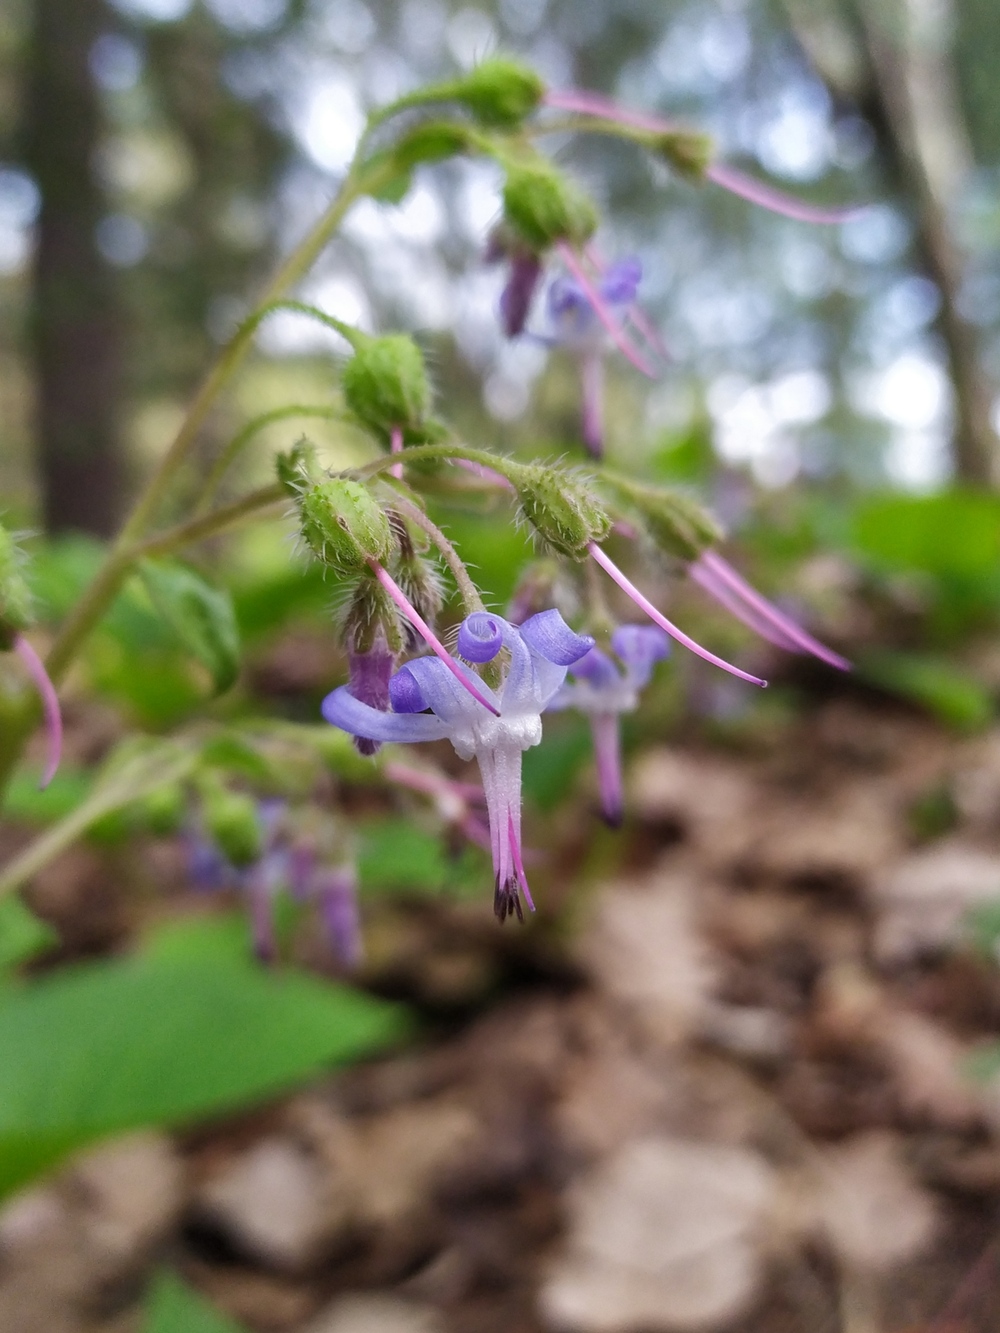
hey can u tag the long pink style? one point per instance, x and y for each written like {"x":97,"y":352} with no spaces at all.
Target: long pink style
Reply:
{"x":728,"y":178}
{"x":431,"y":639}
{"x":658,"y":618}
{"x":618,"y":334}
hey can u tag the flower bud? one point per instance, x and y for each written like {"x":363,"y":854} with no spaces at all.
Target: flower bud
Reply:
{"x":564,"y":512}
{"x":163,"y":810}
{"x":344,"y":526}
{"x":386,"y":386}
{"x":543,"y":207}
{"x":676,"y":523}
{"x":233,"y":822}
{"x":15,"y":596}
{"x":374,"y":640}
{"x":500,"y":92}
{"x":687,"y":152}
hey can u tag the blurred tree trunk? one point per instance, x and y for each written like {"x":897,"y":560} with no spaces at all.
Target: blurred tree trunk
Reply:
{"x":76,"y":331}
{"x":894,"y":59}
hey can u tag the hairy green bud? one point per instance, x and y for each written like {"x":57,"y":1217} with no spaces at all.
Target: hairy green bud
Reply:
{"x":386,"y":386}
{"x":501,"y":92}
{"x":15,"y":596}
{"x":687,"y":152}
{"x":344,"y":526}
{"x":676,"y":523}
{"x":565,"y":513}
{"x":542,"y":207}
{"x":298,"y":469}
{"x":233,"y":822}
{"x":371,"y":619}
{"x":163,"y":810}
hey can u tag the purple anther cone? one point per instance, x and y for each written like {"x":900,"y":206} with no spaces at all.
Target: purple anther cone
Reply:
{"x":370,"y":674}
{"x":515,"y":300}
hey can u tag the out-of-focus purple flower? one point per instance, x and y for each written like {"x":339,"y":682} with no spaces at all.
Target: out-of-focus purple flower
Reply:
{"x":428,"y":704}
{"x":582,"y":313}
{"x":524,"y":271}
{"x":336,"y":893}
{"x":603,"y":690}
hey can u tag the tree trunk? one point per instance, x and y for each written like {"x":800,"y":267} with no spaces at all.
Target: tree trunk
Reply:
{"x":76,"y":327}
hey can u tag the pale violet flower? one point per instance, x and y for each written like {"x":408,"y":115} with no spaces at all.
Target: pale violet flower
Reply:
{"x":604,"y":691}
{"x":429,"y":704}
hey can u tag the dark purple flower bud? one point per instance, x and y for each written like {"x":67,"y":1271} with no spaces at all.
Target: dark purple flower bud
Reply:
{"x":480,"y":637}
{"x":515,"y":300}
{"x":369,"y":683}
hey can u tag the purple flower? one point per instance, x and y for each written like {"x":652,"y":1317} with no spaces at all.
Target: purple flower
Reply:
{"x":582,"y":311}
{"x":429,"y":704}
{"x":336,"y":894}
{"x":369,"y":681}
{"x":604,"y":691}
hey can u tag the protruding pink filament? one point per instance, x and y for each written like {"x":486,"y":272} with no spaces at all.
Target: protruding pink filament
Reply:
{"x":766,"y":617}
{"x":35,"y":668}
{"x":729,"y":178}
{"x":514,"y":838}
{"x":431,"y":639}
{"x":483,"y":473}
{"x":660,"y":619}
{"x":618,"y":334}
{"x":766,"y":196}
{"x":396,"y":447}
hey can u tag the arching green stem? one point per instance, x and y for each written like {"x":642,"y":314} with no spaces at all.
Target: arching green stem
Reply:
{"x":468,"y":591}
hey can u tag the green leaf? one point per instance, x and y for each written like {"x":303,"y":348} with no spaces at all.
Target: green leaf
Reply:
{"x":983,"y":925}
{"x":955,"y":534}
{"x":935,"y":684}
{"x":172,"y":1307}
{"x":396,"y":854}
{"x":202,"y":617}
{"x":27,"y":803}
{"x":22,"y":935}
{"x":163,"y":1040}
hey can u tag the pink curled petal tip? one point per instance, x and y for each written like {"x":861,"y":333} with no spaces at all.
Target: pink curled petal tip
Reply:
{"x":396,"y":447}
{"x":35,"y":668}
{"x":776,"y":201}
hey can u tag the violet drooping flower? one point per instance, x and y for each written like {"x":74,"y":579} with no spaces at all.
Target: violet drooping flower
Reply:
{"x":718,"y":578}
{"x":428,"y":704}
{"x":582,"y":312}
{"x":369,"y":675}
{"x":524,"y":272}
{"x":604,"y":691}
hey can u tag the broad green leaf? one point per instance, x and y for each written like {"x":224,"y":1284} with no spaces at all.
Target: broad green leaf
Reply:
{"x":163,"y":1040}
{"x":983,"y":925}
{"x":935,"y":684}
{"x":955,"y":534}
{"x":22,"y":935}
{"x":550,"y":769}
{"x":27,"y":803}
{"x":202,"y":617}
{"x":172,"y":1307}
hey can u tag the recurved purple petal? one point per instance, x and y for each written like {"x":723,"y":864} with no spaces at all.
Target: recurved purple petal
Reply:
{"x":548,"y":635}
{"x":341,"y":709}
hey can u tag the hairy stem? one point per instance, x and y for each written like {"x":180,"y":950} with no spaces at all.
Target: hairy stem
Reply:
{"x":468,"y":591}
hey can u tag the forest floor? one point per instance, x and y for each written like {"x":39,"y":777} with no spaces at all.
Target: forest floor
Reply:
{"x":735,"y":1092}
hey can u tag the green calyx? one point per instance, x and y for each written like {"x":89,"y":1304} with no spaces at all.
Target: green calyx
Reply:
{"x":688,"y":152}
{"x":500,"y":92}
{"x":564,"y":511}
{"x":677,"y":524}
{"x":344,"y":526}
{"x":298,"y":469}
{"x":371,"y":619}
{"x":15,"y":596}
{"x":233,"y":822}
{"x":386,"y":386}
{"x":542,"y":207}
